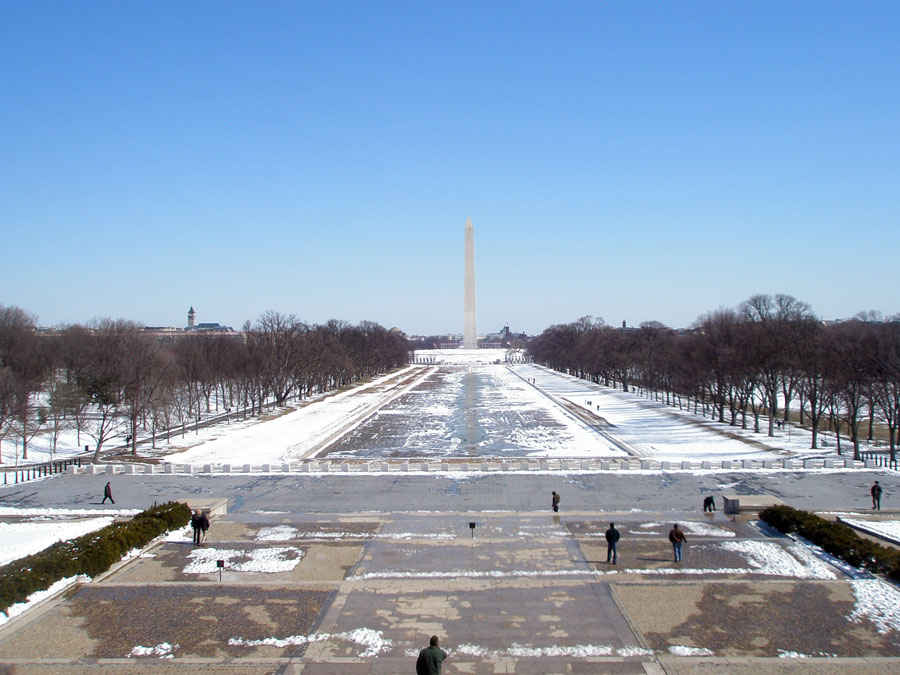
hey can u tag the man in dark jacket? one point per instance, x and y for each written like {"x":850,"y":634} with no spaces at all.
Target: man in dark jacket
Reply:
{"x":107,"y":494}
{"x":876,"y":496}
{"x":612,"y":539}
{"x":554,"y":501}
{"x":676,"y":536}
{"x":430,"y":659}
{"x":195,"y":525}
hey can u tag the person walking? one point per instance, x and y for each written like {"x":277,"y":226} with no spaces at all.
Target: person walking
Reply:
{"x":107,"y":494}
{"x":554,"y":501}
{"x":876,"y":496}
{"x":195,"y":525}
{"x":676,"y":536}
{"x":204,"y":526}
{"x":430,"y":658}
{"x":612,"y":540}
{"x":709,"y":504}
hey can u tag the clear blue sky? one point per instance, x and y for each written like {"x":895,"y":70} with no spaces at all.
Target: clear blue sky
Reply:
{"x":637,"y":161}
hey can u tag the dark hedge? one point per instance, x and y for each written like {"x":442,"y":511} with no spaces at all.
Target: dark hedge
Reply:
{"x":90,"y":554}
{"x":835,"y":538}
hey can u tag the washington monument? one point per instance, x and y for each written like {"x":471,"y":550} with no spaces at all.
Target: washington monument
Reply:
{"x":470,"y":335}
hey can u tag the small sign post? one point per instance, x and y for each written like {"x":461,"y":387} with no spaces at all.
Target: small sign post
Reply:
{"x":472,"y":527}
{"x":220,"y":564}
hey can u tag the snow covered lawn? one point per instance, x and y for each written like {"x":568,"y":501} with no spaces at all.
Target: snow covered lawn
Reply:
{"x":889,"y":529}
{"x":33,"y":530}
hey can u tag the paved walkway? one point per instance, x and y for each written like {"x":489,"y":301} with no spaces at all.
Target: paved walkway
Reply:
{"x":530,"y":592}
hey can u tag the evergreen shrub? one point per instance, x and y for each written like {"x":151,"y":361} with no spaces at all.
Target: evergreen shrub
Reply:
{"x":90,"y":554}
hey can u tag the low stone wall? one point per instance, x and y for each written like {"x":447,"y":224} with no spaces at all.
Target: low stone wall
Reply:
{"x":468,"y":466}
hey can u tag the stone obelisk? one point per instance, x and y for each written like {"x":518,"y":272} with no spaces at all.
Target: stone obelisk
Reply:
{"x":470,"y":336}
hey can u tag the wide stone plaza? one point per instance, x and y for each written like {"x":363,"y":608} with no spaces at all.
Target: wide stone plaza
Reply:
{"x":352,"y":571}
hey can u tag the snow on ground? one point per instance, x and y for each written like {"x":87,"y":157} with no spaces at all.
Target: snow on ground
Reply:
{"x":163,"y":650}
{"x":290,"y":436}
{"x":889,"y":529}
{"x":679,"y":650}
{"x":768,"y":557}
{"x":689,"y":526}
{"x":373,"y":640}
{"x":660,"y":431}
{"x":262,"y":560}
{"x":25,"y":538}
{"x":877,"y":601}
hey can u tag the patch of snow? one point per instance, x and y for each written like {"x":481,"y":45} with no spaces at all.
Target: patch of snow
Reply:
{"x":706,"y":530}
{"x":889,"y":529}
{"x":785,"y":654}
{"x":524,"y":651}
{"x":877,"y":601}
{"x":184,"y":534}
{"x":555,"y":650}
{"x":634,"y":651}
{"x":472,"y":650}
{"x":264,"y":560}
{"x":472,"y":574}
{"x":373,"y":641}
{"x":25,"y":512}
{"x":767,"y":557}
{"x":277,"y":533}
{"x":163,"y":650}
{"x":18,"y":540}
{"x":680,"y":650}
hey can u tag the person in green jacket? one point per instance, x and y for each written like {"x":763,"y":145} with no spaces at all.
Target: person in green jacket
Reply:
{"x":430,"y":659}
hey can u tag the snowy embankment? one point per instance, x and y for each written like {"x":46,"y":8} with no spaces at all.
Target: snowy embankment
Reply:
{"x":663,"y":432}
{"x":887,"y":529}
{"x":295,"y":434}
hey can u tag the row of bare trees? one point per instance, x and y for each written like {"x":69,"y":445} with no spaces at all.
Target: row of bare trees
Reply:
{"x":111,"y":378}
{"x":769,"y":357}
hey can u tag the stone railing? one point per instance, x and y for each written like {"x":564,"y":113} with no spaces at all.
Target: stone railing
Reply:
{"x":485,"y":466}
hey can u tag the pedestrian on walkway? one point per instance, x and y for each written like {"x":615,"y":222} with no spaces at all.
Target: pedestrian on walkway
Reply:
{"x":204,"y":526}
{"x":612,"y":540}
{"x":709,"y":504}
{"x":430,"y":659}
{"x":107,"y":494}
{"x":876,"y":496}
{"x":195,"y":525}
{"x":554,"y":501}
{"x":676,"y":536}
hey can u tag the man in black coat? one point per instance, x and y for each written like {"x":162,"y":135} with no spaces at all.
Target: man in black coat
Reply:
{"x":196,"y":517}
{"x":612,"y":539}
{"x":107,"y":494}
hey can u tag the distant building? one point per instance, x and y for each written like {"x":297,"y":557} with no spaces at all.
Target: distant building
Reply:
{"x":204,"y":327}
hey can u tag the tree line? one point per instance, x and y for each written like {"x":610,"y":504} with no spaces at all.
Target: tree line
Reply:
{"x":768,"y":357}
{"x":111,"y":378}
